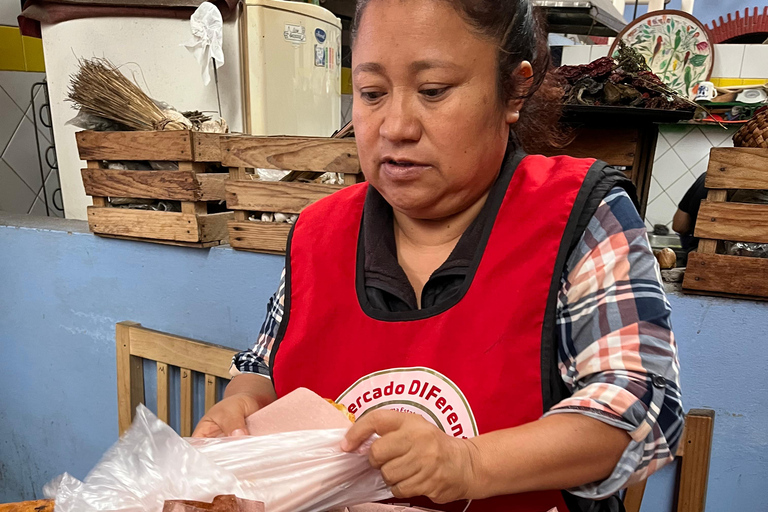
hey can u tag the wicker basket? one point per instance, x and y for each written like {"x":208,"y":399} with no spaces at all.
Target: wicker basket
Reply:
{"x":754,"y":134}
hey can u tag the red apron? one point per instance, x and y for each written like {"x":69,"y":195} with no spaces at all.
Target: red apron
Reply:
{"x":471,"y":369}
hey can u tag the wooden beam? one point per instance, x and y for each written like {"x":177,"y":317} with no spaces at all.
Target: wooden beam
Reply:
{"x":634,"y":496}
{"x":616,"y":146}
{"x":318,"y":154}
{"x":212,"y":185}
{"x":210,"y":392}
{"x":275,"y":196}
{"x":270,"y":237}
{"x":194,"y":245}
{"x":180,"y":227}
{"x":733,"y":221}
{"x":738,"y":168}
{"x":694,"y":468}
{"x":706,"y":245}
{"x":137,"y":145}
{"x":214,"y":226}
{"x":182,"y":352}
{"x":205,"y":147}
{"x":727,"y":274}
{"x":170,"y":185}
{"x":163,"y":393}
{"x":130,"y":376}
{"x":186,"y":402}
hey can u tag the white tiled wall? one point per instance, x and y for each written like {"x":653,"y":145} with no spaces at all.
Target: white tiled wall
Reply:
{"x":682,"y":155}
{"x":346,"y":108}
{"x":20,"y":181}
{"x":731,"y":60}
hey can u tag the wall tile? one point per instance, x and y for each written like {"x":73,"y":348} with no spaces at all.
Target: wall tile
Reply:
{"x":674,"y":132}
{"x":716,"y":134}
{"x":9,"y":120}
{"x":15,"y":195}
{"x":755,"y":64}
{"x":18,"y":85}
{"x":661,"y":210}
{"x":9,"y":11}
{"x":654,"y":190}
{"x":668,"y":169}
{"x":21,"y":155}
{"x":598,"y":51}
{"x":728,"y":58}
{"x":44,"y":131}
{"x":677,"y":190}
{"x":575,"y":55}
{"x":700,"y":168}
{"x":346,"y":108}
{"x":662,"y":146}
{"x":693,"y":147}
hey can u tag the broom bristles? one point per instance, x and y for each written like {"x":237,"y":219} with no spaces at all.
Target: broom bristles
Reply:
{"x":99,"y":88}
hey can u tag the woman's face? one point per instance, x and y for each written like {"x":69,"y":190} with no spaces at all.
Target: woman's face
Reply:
{"x":431,"y":132}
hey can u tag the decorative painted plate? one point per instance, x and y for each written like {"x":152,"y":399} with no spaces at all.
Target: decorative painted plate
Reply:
{"x":675,"y":45}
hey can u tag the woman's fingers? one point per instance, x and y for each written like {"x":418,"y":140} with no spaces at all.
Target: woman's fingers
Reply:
{"x":377,"y":422}
{"x":227,"y":417}
{"x":398,"y":470}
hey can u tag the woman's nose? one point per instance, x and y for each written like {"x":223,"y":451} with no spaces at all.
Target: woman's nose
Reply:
{"x":401,"y":122}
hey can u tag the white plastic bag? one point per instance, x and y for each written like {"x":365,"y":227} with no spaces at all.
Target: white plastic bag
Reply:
{"x":293,"y":471}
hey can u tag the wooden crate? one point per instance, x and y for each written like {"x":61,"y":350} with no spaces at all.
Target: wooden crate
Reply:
{"x":246,"y":195}
{"x":709,"y":271}
{"x":191,"y":185}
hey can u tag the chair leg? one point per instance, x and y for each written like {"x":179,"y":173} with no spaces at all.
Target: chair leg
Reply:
{"x":694,"y":468}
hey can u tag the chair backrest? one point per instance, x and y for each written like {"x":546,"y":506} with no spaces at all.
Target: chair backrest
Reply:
{"x":694,"y":451}
{"x":136,"y":344}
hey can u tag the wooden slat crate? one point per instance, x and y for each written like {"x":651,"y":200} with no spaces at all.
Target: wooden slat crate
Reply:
{"x":247,"y":196}
{"x":709,"y":271}
{"x":191,"y":185}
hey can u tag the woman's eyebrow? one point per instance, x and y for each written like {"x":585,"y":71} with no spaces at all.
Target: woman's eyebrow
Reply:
{"x":369,"y":67}
{"x":422,"y":65}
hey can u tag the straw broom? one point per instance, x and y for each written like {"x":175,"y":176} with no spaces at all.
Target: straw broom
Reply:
{"x":100,"y":89}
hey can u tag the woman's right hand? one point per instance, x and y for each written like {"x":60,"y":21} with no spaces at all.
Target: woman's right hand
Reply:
{"x":228,"y":417}
{"x":245,"y":394}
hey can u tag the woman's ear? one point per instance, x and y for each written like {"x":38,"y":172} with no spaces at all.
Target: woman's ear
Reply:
{"x":525,"y":71}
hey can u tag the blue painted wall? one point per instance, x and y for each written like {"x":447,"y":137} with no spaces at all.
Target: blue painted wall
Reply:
{"x":62,"y":290}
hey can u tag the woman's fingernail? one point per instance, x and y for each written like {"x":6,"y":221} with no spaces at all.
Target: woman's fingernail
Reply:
{"x":345,"y":445}
{"x":239,"y":432}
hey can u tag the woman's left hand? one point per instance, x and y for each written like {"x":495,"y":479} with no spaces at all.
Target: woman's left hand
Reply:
{"x":415,"y":457}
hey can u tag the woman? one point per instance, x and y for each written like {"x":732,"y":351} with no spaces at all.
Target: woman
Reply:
{"x":510,"y":301}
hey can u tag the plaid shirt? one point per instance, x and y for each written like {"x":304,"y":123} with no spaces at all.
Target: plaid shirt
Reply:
{"x":617,"y":352}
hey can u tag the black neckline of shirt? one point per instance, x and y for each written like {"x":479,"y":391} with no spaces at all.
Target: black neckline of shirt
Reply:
{"x":381,"y":268}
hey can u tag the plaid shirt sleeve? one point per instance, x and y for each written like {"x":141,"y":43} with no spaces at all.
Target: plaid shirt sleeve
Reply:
{"x":617,"y":352}
{"x":256,"y":360}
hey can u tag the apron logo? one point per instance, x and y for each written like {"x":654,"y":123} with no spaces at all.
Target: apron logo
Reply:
{"x":418,"y":390}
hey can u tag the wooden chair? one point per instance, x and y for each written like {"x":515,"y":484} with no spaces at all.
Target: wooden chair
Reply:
{"x":693,"y":452}
{"x":136,"y":344}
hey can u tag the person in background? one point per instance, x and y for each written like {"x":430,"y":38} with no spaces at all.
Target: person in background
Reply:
{"x":684,"y":221}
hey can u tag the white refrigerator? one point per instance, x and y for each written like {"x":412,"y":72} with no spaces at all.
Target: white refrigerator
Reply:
{"x":291,"y":54}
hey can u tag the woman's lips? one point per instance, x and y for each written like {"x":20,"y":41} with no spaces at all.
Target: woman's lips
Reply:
{"x":403,"y":170}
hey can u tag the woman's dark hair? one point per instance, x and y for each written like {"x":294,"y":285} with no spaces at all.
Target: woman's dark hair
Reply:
{"x":519,"y":31}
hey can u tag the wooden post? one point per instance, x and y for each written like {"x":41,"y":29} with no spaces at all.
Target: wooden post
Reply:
{"x":694,"y":468}
{"x":163,"y":392}
{"x":210,"y":391}
{"x":186,"y":402}
{"x":130,"y":376}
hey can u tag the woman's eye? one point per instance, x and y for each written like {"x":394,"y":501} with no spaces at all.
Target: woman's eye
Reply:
{"x":371,"y":95}
{"x":433,"y":92}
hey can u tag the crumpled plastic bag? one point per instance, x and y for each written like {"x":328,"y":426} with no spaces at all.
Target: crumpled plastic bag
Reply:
{"x":302,"y":471}
{"x":207,"y":37}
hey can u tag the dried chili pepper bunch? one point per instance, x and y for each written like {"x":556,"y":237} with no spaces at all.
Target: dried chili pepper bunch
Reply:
{"x":625,"y":80}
